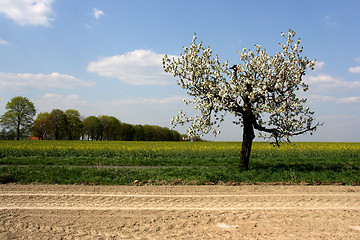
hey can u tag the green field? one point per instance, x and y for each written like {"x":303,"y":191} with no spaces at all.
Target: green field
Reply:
{"x":67,"y":162}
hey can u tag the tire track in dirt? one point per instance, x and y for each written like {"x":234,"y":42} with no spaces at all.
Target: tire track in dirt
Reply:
{"x":90,"y":201}
{"x":180,"y":212}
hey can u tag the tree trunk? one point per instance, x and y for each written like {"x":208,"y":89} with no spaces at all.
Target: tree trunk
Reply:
{"x":18,"y":129}
{"x":248,"y":137}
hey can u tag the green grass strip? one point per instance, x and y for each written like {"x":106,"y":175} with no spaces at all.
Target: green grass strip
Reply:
{"x":175,"y":175}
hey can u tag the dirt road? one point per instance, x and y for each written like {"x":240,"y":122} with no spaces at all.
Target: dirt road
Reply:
{"x":179,"y":212}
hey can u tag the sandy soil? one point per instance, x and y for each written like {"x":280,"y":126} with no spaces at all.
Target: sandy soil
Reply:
{"x":179,"y":212}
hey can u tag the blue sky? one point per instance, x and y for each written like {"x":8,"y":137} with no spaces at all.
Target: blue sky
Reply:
{"x":104,"y":57}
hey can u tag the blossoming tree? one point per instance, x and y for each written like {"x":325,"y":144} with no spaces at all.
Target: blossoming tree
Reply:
{"x":260,"y":92}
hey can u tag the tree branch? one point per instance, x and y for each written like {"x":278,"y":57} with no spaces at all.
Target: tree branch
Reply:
{"x":307,"y":129}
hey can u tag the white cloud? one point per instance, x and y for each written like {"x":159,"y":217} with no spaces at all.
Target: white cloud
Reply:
{"x":327,"y":82}
{"x":41,"y":81}
{"x":51,"y":101}
{"x":87,"y":26}
{"x":355,"y":69}
{"x":337,"y":117}
{"x":3,"y":42}
{"x":33,"y":12}
{"x":319,"y":65}
{"x":139,"y":67}
{"x":322,"y":98}
{"x":329,"y":20}
{"x":349,"y":100}
{"x":144,"y":101}
{"x":98,"y":13}
{"x":152,"y":110}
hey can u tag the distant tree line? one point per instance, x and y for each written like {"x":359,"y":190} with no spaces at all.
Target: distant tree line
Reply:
{"x":18,"y":124}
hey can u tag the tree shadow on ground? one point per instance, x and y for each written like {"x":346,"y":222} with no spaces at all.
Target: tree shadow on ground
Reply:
{"x":303,"y":167}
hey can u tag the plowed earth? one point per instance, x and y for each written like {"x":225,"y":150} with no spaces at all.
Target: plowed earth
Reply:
{"x":179,"y":212}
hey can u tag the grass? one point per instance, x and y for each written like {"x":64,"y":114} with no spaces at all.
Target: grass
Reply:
{"x":63,"y":162}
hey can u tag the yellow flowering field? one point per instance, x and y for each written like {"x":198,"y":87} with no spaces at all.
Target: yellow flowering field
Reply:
{"x":173,"y":153}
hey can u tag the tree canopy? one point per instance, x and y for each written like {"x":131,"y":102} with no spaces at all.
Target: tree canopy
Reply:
{"x":261,"y":91}
{"x":19,"y":115}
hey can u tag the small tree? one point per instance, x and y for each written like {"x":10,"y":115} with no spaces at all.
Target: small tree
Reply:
{"x":7,"y":135}
{"x":260,"y":92}
{"x":139,"y":133}
{"x":41,"y":125}
{"x":92,"y":128}
{"x":115,"y":128}
{"x":19,"y":115}
{"x":127,"y":132}
{"x":148,"y":135}
{"x":74,"y":124}
{"x":58,"y":124}
{"x":110,"y":127}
